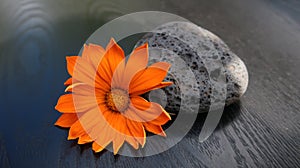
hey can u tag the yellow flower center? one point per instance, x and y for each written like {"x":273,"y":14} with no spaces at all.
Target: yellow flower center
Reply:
{"x":117,"y":100}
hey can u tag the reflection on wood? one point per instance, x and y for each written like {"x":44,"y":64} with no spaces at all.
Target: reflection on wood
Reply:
{"x":4,"y":162}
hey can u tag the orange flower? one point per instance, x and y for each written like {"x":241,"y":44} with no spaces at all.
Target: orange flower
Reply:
{"x":103,"y":104}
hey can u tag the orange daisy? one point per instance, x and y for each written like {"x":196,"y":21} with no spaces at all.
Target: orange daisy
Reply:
{"x":103,"y":103}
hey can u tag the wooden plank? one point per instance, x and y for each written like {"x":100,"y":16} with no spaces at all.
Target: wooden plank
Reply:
{"x":4,"y":161}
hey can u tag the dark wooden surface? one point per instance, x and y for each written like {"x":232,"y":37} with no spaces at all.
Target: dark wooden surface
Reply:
{"x":262,"y":130}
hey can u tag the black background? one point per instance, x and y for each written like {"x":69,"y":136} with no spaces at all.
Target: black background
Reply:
{"x":262,"y":130}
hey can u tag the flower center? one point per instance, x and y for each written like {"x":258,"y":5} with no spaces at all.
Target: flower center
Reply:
{"x":117,"y":100}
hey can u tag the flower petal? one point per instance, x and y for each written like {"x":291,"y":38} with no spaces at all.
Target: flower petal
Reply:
{"x":84,"y":139}
{"x":133,"y":115}
{"x":132,"y":141}
{"x":119,"y":76}
{"x":160,"y":85}
{"x":66,"y":120}
{"x":93,"y":121}
{"x":97,"y":127}
{"x":86,"y":90}
{"x":156,"y":129}
{"x":118,"y":142}
{"x":110,"y":61}
{"x":87,"y":123}
{"x":105,"y":136}
{"x":118,"y":125}
{"x":96,"y":147}
{"x":84,"y":72}
{"x":81,"y":89}
{"x":149,"y":78}
{"x":68,"y":82}
{"x":137,"y":61}
{"x":87,"y":66}
{"x":143,"y":111}
{"x":76,"y":130}
{"x":137,"y":130}
{"x":71,"y":61}
{"x":66,"y":103}
{"x":93,"y":54}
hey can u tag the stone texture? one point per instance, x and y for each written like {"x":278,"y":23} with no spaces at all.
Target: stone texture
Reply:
{"x":202,"y":67}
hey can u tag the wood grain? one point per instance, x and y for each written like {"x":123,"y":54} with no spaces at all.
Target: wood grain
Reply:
{"x":4,"y":162}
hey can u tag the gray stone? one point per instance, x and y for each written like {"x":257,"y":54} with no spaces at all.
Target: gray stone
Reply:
{"x":199,"y":60}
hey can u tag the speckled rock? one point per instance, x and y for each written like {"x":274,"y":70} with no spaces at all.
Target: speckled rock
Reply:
{"x":199,"y":61}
